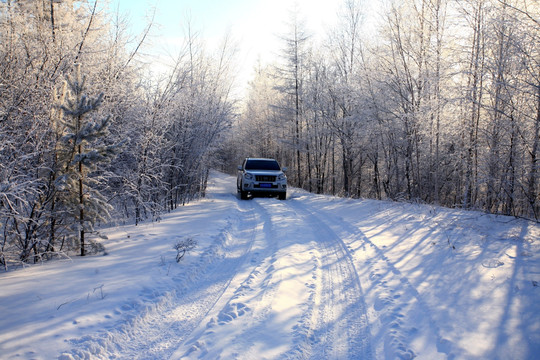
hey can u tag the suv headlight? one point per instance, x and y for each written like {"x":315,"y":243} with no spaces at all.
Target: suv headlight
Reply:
{"x":248,"y":176}
{"x":282,"y":177}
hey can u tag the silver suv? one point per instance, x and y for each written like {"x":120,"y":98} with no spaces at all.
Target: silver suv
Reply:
{"x":261,"y":176}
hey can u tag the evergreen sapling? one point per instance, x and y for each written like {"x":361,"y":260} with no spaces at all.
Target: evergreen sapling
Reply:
{"x":82,"y":149}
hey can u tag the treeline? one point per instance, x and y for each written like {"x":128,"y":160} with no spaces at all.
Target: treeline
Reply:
{"x":86,"y":136}
{"x":439,"y":102}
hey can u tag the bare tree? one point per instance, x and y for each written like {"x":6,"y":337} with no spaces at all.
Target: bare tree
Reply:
{"x":292,"y":74}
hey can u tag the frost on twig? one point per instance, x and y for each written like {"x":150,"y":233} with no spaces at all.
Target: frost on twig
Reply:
{"x":183,"y":246}
{"x":100,"y":288}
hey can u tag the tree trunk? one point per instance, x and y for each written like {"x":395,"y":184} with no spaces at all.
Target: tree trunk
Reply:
{"x":534,"y":166}
{"x":52,"y":21}
{"x":81,"y":204}
{"x":475,"y":90}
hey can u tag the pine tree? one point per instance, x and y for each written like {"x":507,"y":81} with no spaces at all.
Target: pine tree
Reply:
{"x":81,"y":151}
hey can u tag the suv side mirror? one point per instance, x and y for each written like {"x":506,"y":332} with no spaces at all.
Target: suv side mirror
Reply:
{"x":240,"y":167}
{"x":284,"y":169}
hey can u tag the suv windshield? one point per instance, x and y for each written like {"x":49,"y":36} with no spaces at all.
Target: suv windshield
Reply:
{"x":262,"y":165}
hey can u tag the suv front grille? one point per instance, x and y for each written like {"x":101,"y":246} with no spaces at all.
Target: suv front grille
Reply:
{"x":265,"y":178}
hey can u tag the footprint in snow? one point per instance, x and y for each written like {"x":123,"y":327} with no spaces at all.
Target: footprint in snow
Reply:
{"x":231,"y":312}
{"x":492,"y":263}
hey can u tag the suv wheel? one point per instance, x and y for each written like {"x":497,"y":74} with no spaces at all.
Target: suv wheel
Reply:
{"x":282,"y":196}
{"x":243,"y":195}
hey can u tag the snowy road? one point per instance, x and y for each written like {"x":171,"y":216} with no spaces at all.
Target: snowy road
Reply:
{"x":296,"y":293}
{"x":312,"y":277}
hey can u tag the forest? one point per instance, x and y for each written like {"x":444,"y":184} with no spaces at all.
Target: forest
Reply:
{"x":438,"y":102}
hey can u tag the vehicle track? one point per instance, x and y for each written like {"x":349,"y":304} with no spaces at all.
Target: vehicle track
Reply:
{"x":341,"y":327}
{"x":190,"y":311}
{"x":276,"y":269}
{"x":330,"y":321}
{"x":255,"y":272}
{"x":170,"y":318}
{"x":395,"y":297}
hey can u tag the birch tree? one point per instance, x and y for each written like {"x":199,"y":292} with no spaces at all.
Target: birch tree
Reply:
{"x":292,"y":75}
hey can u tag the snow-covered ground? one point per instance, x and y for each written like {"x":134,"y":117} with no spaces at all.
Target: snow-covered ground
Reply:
{"x":312,"y":277}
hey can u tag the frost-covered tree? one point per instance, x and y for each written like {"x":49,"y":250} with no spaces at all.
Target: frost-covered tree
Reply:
{"x":291,"y":73}
{"x":347,"y":93}
{"x":39,"y":41}
{"x":81,"y":153}
{"x":55,"y":182}
{"x":440,"y":104}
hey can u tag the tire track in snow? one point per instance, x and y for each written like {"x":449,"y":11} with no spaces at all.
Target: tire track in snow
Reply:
{"x":395,"y":299}
{"x":271,"y":312}
{"x":341,"y":328}
{"x":191,"y":311}
{"x":260,"y":288}
{"x":255,"y":274}
{"x":167,"y":319}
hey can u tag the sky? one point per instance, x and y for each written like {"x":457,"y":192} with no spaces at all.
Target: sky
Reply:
{"x":253,"y":24}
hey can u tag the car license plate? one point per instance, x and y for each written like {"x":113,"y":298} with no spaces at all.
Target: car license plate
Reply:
{"x":266,"y":185}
